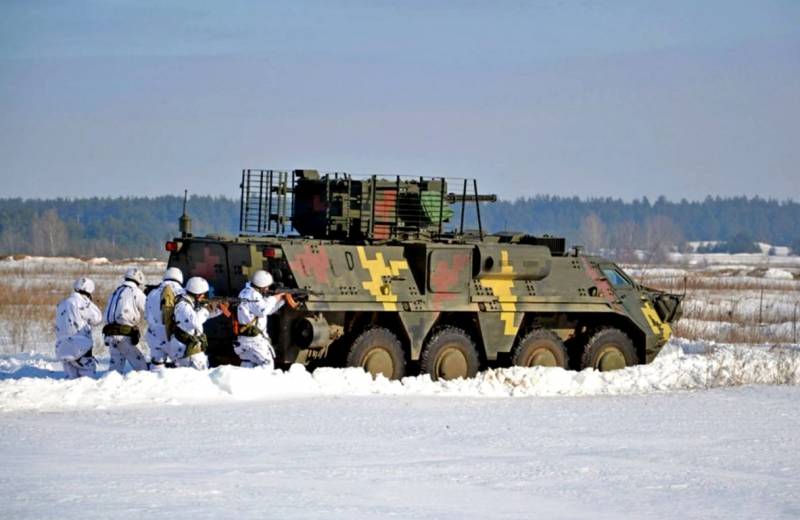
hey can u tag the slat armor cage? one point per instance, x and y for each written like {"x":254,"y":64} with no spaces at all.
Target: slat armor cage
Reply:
{"x":340,"y":206}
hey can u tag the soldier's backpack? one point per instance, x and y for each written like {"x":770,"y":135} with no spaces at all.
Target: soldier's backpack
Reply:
{"x":167,"y":310}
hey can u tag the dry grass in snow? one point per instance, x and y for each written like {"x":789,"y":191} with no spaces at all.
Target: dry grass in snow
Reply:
{"x":724,"y":303}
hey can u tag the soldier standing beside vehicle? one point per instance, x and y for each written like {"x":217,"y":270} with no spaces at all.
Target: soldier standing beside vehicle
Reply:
{"x":253,"y":345}
{"x":75,"y":317}
{"x":192,"y":310}
{"x":159,"y":309}
{"x":123,"y":313}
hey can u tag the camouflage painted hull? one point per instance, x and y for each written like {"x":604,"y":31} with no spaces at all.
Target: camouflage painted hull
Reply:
{"x":493,"y":293}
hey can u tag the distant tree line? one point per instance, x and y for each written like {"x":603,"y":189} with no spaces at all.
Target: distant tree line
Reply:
{"x":620,"y":228}
{"x":139,"y":226}
{"x":119,"y":227}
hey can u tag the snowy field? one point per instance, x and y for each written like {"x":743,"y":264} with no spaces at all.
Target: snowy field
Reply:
{"x":708,"y":430}
{"x":733,"y":301}
{"x":718,"y":454}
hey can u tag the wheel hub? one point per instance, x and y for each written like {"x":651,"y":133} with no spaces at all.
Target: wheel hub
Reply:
{"x":451,"y":364}
{"x":610,"y":358}
{"x":542,"y":357}
{"x":378,"y":361}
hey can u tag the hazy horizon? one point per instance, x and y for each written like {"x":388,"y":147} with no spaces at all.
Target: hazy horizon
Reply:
{"x":585,"y":198}
{"x":609,"y":99}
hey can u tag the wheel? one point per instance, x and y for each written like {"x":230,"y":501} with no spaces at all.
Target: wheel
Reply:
{"x":609,"y":349}
{"x":450,"y":353}
{"x":378,"y":351}
{"x":542,"y":348}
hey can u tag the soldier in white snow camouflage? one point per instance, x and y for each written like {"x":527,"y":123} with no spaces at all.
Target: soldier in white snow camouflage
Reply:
{"x":124,"y":311}
{"x":75,"y":317}
{"x":253,"y":345}
{"x":189,"y":342}
{"x":159,"y":309}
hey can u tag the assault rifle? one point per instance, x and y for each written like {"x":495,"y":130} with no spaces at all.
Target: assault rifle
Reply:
{"x":297,"y":294}
{"x":219,"y":301}
{"x":223,"y":303}
{"x":227,"y":300}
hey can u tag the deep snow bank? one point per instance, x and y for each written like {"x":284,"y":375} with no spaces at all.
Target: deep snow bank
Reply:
{"x":35,"y":382}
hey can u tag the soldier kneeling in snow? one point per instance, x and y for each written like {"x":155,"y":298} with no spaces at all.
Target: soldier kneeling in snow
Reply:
{"x":189,"y":342}
{"x":253,"y":345}
{"x":160,"y":309}
{"x":75,"y":317}
{"x":124,"y":312}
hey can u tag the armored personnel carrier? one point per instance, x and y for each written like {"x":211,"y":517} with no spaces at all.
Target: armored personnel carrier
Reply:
{"x":397,"y":285}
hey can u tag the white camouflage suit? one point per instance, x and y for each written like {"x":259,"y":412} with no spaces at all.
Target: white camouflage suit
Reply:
{"x":190,"y":319}
{"x":256,"y":351}
{"x":75,"y":317}
{"x":125,"y":307}
{"x":156,"y":332}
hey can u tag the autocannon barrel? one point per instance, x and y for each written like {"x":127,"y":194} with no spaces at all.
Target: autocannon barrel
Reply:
{"x":454,"y":198}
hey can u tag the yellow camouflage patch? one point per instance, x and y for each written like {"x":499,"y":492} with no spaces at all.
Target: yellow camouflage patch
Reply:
{"x":378,"y":269}
{"x":501,"y":287}
{"x":659,"y":327}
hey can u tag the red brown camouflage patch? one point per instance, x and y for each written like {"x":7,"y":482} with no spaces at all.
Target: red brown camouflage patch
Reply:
{"x":448,"y":278}
{"x":312,"y":264}
{"x":206,"y":267}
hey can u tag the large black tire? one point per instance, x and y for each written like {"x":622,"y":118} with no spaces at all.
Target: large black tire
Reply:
{"x":609,"y":349}
{"x":449,"y":354}
{"x":378,"y":351}
{"x":540,"y":347}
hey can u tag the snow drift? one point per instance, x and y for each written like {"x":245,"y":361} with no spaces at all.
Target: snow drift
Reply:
{"x":36,"y":382}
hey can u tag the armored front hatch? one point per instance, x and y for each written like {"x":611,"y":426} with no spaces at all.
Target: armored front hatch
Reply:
{"x":398,"y":283}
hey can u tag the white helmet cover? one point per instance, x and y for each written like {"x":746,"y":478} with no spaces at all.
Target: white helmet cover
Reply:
{"x":174,"y":274}
{"x":135,"y":275}
{"x":261,"y":279}
{"x":84,"y":285}
{"x":196,"y":285}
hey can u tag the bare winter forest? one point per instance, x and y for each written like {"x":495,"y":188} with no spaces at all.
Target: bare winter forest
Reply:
{"x":130,"y":227}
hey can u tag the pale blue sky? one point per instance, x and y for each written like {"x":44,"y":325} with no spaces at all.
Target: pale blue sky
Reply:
{"x":681,"y":98}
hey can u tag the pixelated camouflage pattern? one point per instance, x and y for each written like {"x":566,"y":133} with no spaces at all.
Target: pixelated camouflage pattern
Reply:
{"x":495,"y":290}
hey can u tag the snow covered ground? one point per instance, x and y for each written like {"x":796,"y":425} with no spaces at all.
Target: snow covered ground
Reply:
{"x":719,"y":454}
{"x":680,"y":438}
{"x":769,"y":256}
{"x":36,"y":382}
{"x":708,"y":430}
